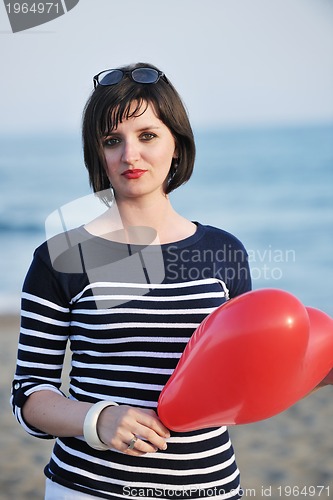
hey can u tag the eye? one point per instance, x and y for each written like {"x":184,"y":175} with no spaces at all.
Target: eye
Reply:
{"x":110,"y":142}
{"x":147,"y":136}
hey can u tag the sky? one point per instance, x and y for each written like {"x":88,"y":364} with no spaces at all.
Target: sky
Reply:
{"x":235,"y":62}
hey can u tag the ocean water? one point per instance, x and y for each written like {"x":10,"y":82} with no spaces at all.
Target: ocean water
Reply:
{"x":271,"y":187}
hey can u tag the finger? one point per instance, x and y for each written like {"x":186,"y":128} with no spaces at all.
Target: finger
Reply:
{"x":137,"y":446}
{"x":145,"y":424}
{"x":132,"y":442}
{"x":160,"y":427}
{"x":150,"y":419}
{"x":149,"y":436}
{"x":118,"y":427}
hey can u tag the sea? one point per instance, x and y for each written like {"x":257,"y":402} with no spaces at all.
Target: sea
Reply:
{"x":271,"y":186}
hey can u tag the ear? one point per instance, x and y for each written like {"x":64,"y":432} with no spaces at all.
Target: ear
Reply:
{"x":176,"y":151}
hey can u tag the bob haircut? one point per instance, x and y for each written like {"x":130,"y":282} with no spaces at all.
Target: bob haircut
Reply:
{"x":110,"y":105}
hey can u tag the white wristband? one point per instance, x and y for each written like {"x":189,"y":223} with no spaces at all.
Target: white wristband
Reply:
{"x":90,"y":425}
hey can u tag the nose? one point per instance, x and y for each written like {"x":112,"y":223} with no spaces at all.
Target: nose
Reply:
{"x":130,"y":153}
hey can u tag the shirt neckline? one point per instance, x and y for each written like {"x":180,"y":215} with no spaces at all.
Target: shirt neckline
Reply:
{"x":188,"y":241}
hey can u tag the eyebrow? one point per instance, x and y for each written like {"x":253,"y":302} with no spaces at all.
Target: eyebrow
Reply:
{"x":141,"y":129}
{"x":149,"y":127}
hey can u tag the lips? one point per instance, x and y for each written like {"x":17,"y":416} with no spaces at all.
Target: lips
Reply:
{"x":133,"y":174}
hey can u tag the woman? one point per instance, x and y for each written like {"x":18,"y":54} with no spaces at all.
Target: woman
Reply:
{"x":127,"y":290}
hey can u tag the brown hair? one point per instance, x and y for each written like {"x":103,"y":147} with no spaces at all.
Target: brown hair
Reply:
{"x":110,"y":105}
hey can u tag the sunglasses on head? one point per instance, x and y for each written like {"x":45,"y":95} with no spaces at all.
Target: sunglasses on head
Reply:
{"x":138,"y":75}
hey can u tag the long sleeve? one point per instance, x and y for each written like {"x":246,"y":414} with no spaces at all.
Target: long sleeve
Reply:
{"x":43,"y":337}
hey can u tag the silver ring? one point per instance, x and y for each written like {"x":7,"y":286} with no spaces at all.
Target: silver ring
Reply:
{"x":132,"y":443}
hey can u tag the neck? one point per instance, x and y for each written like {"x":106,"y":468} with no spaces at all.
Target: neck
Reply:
{"x":131,"y":221}
{"x":156,"y":214}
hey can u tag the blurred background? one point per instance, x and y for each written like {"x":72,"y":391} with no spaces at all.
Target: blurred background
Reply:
{"x":257,"y":79}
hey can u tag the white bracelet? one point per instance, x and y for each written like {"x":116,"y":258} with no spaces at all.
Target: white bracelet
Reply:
{"x":90,"y":425}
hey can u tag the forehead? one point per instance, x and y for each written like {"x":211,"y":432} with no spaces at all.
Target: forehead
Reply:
{"x":144,"y":108}
{"x":123,"y":112}
{"x":137,"y":115}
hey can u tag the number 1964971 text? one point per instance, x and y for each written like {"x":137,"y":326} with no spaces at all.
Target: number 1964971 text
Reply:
{"x":305,"y":491}
{"x":35,"y":8}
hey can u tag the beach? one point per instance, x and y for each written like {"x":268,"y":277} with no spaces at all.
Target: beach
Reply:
{"x":22,"y":457}
{"x":278,"y":458}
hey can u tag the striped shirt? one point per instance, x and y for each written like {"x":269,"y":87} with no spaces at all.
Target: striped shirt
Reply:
{"x":128,"y":313}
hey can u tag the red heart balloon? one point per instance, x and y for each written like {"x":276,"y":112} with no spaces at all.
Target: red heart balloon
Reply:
{"x":329,"y":378}
{"x":242,"y":364}
{"x":318,"y":361}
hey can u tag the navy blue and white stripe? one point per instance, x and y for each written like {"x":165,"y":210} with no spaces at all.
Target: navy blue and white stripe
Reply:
{"x":126,"y":354}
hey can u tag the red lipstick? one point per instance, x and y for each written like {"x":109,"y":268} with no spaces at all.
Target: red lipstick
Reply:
{"x":133,"y":173}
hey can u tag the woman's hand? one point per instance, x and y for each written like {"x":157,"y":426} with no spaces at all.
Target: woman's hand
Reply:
{"x":117,"y":426}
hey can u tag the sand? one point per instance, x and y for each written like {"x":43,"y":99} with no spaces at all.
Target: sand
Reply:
{"x":282,"y":457}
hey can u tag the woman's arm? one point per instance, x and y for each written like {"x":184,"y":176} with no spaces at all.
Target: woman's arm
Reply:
{"x":38,"y":403}
{"x":56,"y":415}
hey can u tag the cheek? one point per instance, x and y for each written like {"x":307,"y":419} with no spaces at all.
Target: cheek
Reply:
{"x":167,"y":154}
{"x":110,"y":162}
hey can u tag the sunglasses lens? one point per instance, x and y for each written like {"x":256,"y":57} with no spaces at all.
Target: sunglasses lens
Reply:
{"x":145,"y":75}
{"x":138,"y":75}
{"x":111,"y":77}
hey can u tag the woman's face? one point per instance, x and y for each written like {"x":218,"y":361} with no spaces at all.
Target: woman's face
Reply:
{"x":138,"y":156}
